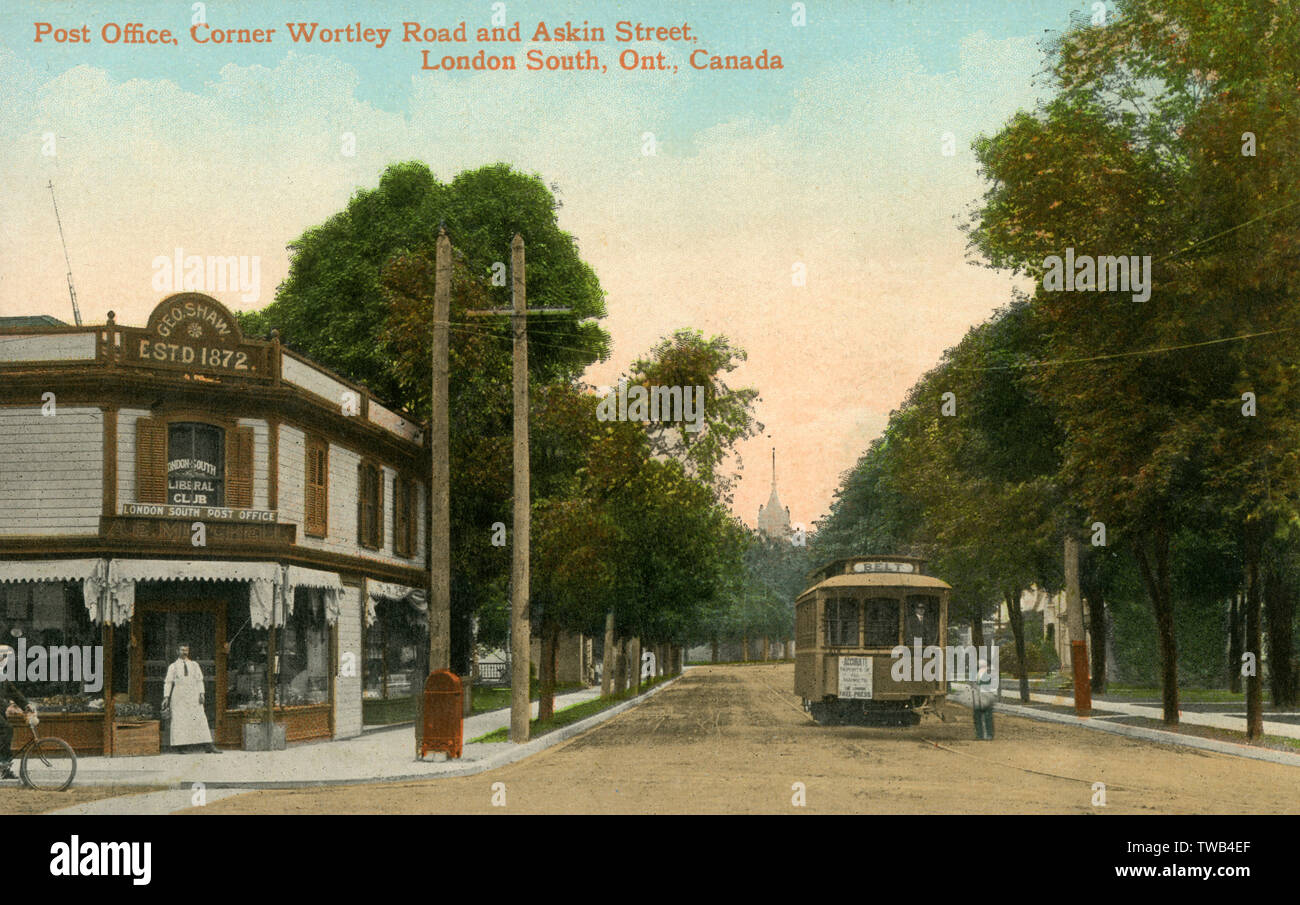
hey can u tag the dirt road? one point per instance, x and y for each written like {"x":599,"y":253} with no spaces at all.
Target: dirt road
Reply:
{"x":733,"y":739}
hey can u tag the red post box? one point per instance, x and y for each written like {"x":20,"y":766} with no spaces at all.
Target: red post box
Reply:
{"x":444,"y":728}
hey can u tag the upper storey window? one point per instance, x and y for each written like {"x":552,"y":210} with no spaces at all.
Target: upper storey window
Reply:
{"x":196,"y":474}
{"x":182,"y":462}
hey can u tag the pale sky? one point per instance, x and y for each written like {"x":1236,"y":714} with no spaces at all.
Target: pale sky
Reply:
{"x":834,"y":162}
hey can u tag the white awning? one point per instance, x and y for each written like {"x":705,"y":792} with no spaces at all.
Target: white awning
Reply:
{"x":327,"y":582}
{"x":264,"y":580}
{"x":383,"y":590}
{"x":48,"y":569}
{"x":89,"y":571}
{"x":110,"y":584}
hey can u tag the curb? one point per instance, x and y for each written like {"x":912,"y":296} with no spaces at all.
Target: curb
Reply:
{"x":1233,"y":749}
{"x":489,"y":762}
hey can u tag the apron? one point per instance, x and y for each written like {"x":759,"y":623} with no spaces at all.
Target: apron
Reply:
{"x":184,"y":687}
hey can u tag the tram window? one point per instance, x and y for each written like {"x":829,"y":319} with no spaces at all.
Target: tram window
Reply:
{"x":922,"y":620}
{"x":842,"y":623}
{"x":882,"y":622}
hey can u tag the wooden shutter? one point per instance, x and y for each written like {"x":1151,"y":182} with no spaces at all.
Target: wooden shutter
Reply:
{"x":379,"y":507}
{"x":370,"y":506}
{"x":361,"y":505}
{"x":316,"y":497}
{"x":400,"y":516}
{"x":150,"y":460}
{"x":239,"y":468}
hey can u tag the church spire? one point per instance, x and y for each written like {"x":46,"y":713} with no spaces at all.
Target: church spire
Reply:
{"x":774,"y":519}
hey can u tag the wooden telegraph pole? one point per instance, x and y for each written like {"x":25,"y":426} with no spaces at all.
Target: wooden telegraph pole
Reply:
{"x":439,"y":482}
{"x":520,"y":629}
{"x":1074,"y":612}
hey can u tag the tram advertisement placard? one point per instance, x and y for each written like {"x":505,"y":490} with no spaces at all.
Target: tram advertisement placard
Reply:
{"x":855,"y":678}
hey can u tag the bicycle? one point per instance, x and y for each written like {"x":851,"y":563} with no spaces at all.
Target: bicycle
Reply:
{"x":48,"y":764}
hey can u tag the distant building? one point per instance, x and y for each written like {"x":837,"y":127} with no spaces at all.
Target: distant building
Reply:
{"x":31,"y":320}
{"x":774,"y":519}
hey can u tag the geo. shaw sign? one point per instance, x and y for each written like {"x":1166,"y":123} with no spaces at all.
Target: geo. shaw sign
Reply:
{"x":194,"y":332}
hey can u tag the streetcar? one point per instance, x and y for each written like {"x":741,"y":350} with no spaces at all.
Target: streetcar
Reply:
{"x":859,"y":617}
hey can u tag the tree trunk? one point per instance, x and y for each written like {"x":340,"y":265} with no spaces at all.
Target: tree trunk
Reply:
{"x":1279,"y":609}
{"x":713,"y":649}
{"x":634,"y":664}
{"x":608,"y":658}
{"x":1018,"y":632}
{"x":1235,"y":605}
{"x":620,"y":665}
{"x":744,"y":649}
{"x":1254,"y":639}
{"x":977,"y":628}
{"x":550,"y":660}
{"x":767,"y":649}
{"x":1152,"y":552}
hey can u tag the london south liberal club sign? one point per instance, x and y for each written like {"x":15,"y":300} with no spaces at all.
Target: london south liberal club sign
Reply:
{"x":196,"y":333}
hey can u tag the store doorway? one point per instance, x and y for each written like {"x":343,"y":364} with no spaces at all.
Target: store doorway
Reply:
{"x":160,"y":628}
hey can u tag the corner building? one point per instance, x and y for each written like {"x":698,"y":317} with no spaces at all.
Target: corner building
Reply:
{"x":180,"y":483}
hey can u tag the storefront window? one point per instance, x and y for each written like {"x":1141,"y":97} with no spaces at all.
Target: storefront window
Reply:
{"x":304,"y":652}
{"x":245,"y":660}
{"x":396,"y":651}
{"x":52,"y":614}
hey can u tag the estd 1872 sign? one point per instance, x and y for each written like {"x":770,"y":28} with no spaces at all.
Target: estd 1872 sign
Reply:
{"x":194,"y":332}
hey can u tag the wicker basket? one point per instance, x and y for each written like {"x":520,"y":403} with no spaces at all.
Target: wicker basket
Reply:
{"x":135,"y":738}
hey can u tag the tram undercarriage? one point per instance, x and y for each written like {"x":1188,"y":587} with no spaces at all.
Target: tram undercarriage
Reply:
{"x":833,"y":711}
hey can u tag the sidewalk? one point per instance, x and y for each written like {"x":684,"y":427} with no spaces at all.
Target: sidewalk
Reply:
{"x":384,"y":755}
{"x":387,"y":753}
{"x":1112,"y":710}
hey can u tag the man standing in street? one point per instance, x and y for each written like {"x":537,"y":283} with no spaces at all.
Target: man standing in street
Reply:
{"x":984,"y":695}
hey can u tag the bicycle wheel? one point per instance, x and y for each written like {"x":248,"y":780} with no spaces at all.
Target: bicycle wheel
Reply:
{"x":49,"y":764}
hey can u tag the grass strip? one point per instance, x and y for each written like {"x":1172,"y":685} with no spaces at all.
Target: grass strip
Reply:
{"x":570,"y":715}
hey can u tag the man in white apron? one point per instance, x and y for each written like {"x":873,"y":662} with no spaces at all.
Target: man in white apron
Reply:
{"x":183,"y":700}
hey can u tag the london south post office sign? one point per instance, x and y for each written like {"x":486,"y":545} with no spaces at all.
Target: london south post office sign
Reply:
{"x":194,"y":332}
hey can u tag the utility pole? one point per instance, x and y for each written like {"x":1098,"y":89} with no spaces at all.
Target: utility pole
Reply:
{"x":520,"y":630}
{"x":439,"y":483}
{"x":520,"y":709}
{"x":1074,"y":612}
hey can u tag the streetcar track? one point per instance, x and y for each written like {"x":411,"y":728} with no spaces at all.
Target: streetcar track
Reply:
{"x":1088,"y":782}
